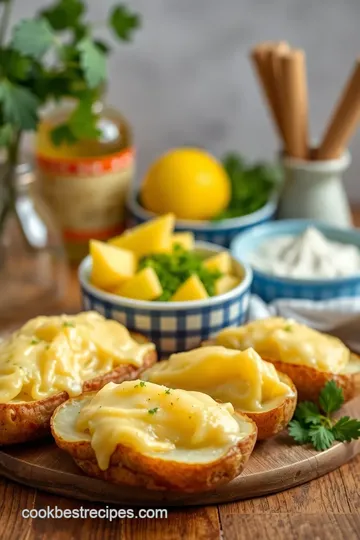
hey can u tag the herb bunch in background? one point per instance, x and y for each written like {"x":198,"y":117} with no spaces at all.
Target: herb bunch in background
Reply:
{"x":314,"y":424}
{"x":251,"y":185}
{"x":52,"y":56}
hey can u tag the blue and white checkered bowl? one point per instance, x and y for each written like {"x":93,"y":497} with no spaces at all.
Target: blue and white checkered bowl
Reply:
{"x":173,"y":326}
{"x":216,"y":232}
{"x":270,"y":287}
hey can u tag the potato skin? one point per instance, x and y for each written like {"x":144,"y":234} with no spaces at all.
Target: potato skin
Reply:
{"x":27,"y":421}
{"x":310,"y":381}
{"x":132,"y":468}
{"x":273,"y":421}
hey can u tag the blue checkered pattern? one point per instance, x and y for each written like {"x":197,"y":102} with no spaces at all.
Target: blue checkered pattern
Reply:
{"x":270,"y":288}
{"x":174,"y":330}
{"x":216,"y":232}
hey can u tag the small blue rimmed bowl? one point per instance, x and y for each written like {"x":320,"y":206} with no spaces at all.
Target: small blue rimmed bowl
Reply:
{"x":270,"y":287}
{"x":216,"y":232}
{"x":173,"y":326}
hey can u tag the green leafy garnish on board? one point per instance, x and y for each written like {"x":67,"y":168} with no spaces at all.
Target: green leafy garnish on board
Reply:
{"x":174,"y":268}
{"x":251,"y":185}
{"x":313,"y":424}
{"x":153,"y":411}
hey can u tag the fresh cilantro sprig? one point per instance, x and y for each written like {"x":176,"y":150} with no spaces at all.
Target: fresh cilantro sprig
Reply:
{"x":313,"y":424}
{"x":174,"y":268}
{"x":51,"y":56}
{"x":251,"y":185}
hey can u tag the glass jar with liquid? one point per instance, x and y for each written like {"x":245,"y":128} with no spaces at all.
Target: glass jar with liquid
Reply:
{"x":86,"y":183}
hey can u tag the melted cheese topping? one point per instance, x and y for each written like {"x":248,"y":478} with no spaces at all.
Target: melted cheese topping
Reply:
{"x":242,"y":378}
{"x":287,"y":341}
{"x":157,"y":421}
{"x":52,"y":354}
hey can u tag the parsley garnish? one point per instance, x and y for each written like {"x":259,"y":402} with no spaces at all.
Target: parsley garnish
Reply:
{"x":174,"y":268}
{"x":34,"y":341}
{"x":167,"y":391}
{"x":153,"y":411}
{"x":68,"y":324}
{"x":141,"y":384}
{"x":314,"y":425}
{"x":288,"y":328}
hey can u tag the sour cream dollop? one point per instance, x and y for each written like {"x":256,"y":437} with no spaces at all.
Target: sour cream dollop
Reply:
{"x":307,"y":256}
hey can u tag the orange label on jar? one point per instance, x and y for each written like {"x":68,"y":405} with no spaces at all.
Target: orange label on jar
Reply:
{"x":87,"y":194}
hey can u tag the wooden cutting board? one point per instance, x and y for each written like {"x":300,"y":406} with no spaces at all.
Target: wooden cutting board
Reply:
{"x":275,"y":465}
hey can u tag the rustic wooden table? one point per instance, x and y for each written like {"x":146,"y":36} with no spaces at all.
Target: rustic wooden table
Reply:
{"x":326,"y":509}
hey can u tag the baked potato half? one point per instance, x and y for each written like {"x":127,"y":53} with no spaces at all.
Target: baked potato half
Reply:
{"x":310,"y":358}
{"x":243,"y":379}
{"x":274,"y":420}
{"x":24,"y":421}
{"x":152,"y":470}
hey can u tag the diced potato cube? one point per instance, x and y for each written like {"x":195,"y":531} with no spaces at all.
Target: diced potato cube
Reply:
{"x":184,"y":239}
{"x":145,"y":285}
{"x":151,"y":237}
{"x":191,"y":289}
{"x":221,"y":262}
{"x":110,"y":265}
{"x":226,"y":283}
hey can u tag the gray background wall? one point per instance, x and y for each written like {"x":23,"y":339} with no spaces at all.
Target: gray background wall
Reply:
{"x":187,"y":77}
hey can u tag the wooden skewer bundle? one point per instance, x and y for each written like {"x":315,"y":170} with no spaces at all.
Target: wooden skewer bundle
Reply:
{"x":282,"y":74}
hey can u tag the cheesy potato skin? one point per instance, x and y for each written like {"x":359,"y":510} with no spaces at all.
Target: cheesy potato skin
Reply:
{"x":309,"y":381}
{"x":273,"y":421}
{"x":27,"y":421}
{"x":131,"y":467}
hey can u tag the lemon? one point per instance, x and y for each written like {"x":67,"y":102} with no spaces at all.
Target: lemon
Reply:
{"x":187,"y":182}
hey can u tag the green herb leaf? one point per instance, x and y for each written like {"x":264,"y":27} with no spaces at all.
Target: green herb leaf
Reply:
{"x":251,"y":186}
{"x":173,"y":269}
{"x":64,"y":15}
{"x":298,"y":432}
{"x":153,"y":411}
{"x":346,"y":429}
{"x":82,"y":121}
{"x":321,"y":437}
{"x":19,"y":105}
{"x":308,"y":412}
{"x":142,"y":384}
{"x":68,"y":324}
{"x":33,"y":37}
{"x":62,"y":134}
{"x":14,"y":66}
{"x":6,"y":134}
{"x":93,"y":62}
{"x":103,"y":46}
{"x":331,"y":397}
{"x":34,"y":341}
{"x":167,"y":391}
{"x":124,"y":22}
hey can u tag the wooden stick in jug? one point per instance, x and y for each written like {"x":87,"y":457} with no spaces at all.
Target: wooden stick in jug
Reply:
{"x":344,"y":119}
{"x":260,"y":56}
{"x":296,"y":102}
{"x":275,"y":56}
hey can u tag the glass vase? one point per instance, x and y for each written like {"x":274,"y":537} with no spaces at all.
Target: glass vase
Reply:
{"x":33,"y":267}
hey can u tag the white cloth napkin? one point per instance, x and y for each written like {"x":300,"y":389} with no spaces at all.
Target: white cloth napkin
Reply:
{"x":339,"y":317}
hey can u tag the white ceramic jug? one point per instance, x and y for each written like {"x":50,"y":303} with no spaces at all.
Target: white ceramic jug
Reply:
{"x":314,"y":190}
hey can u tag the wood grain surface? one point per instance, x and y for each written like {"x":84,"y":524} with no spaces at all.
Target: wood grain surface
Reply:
{"x":327,"y":508}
